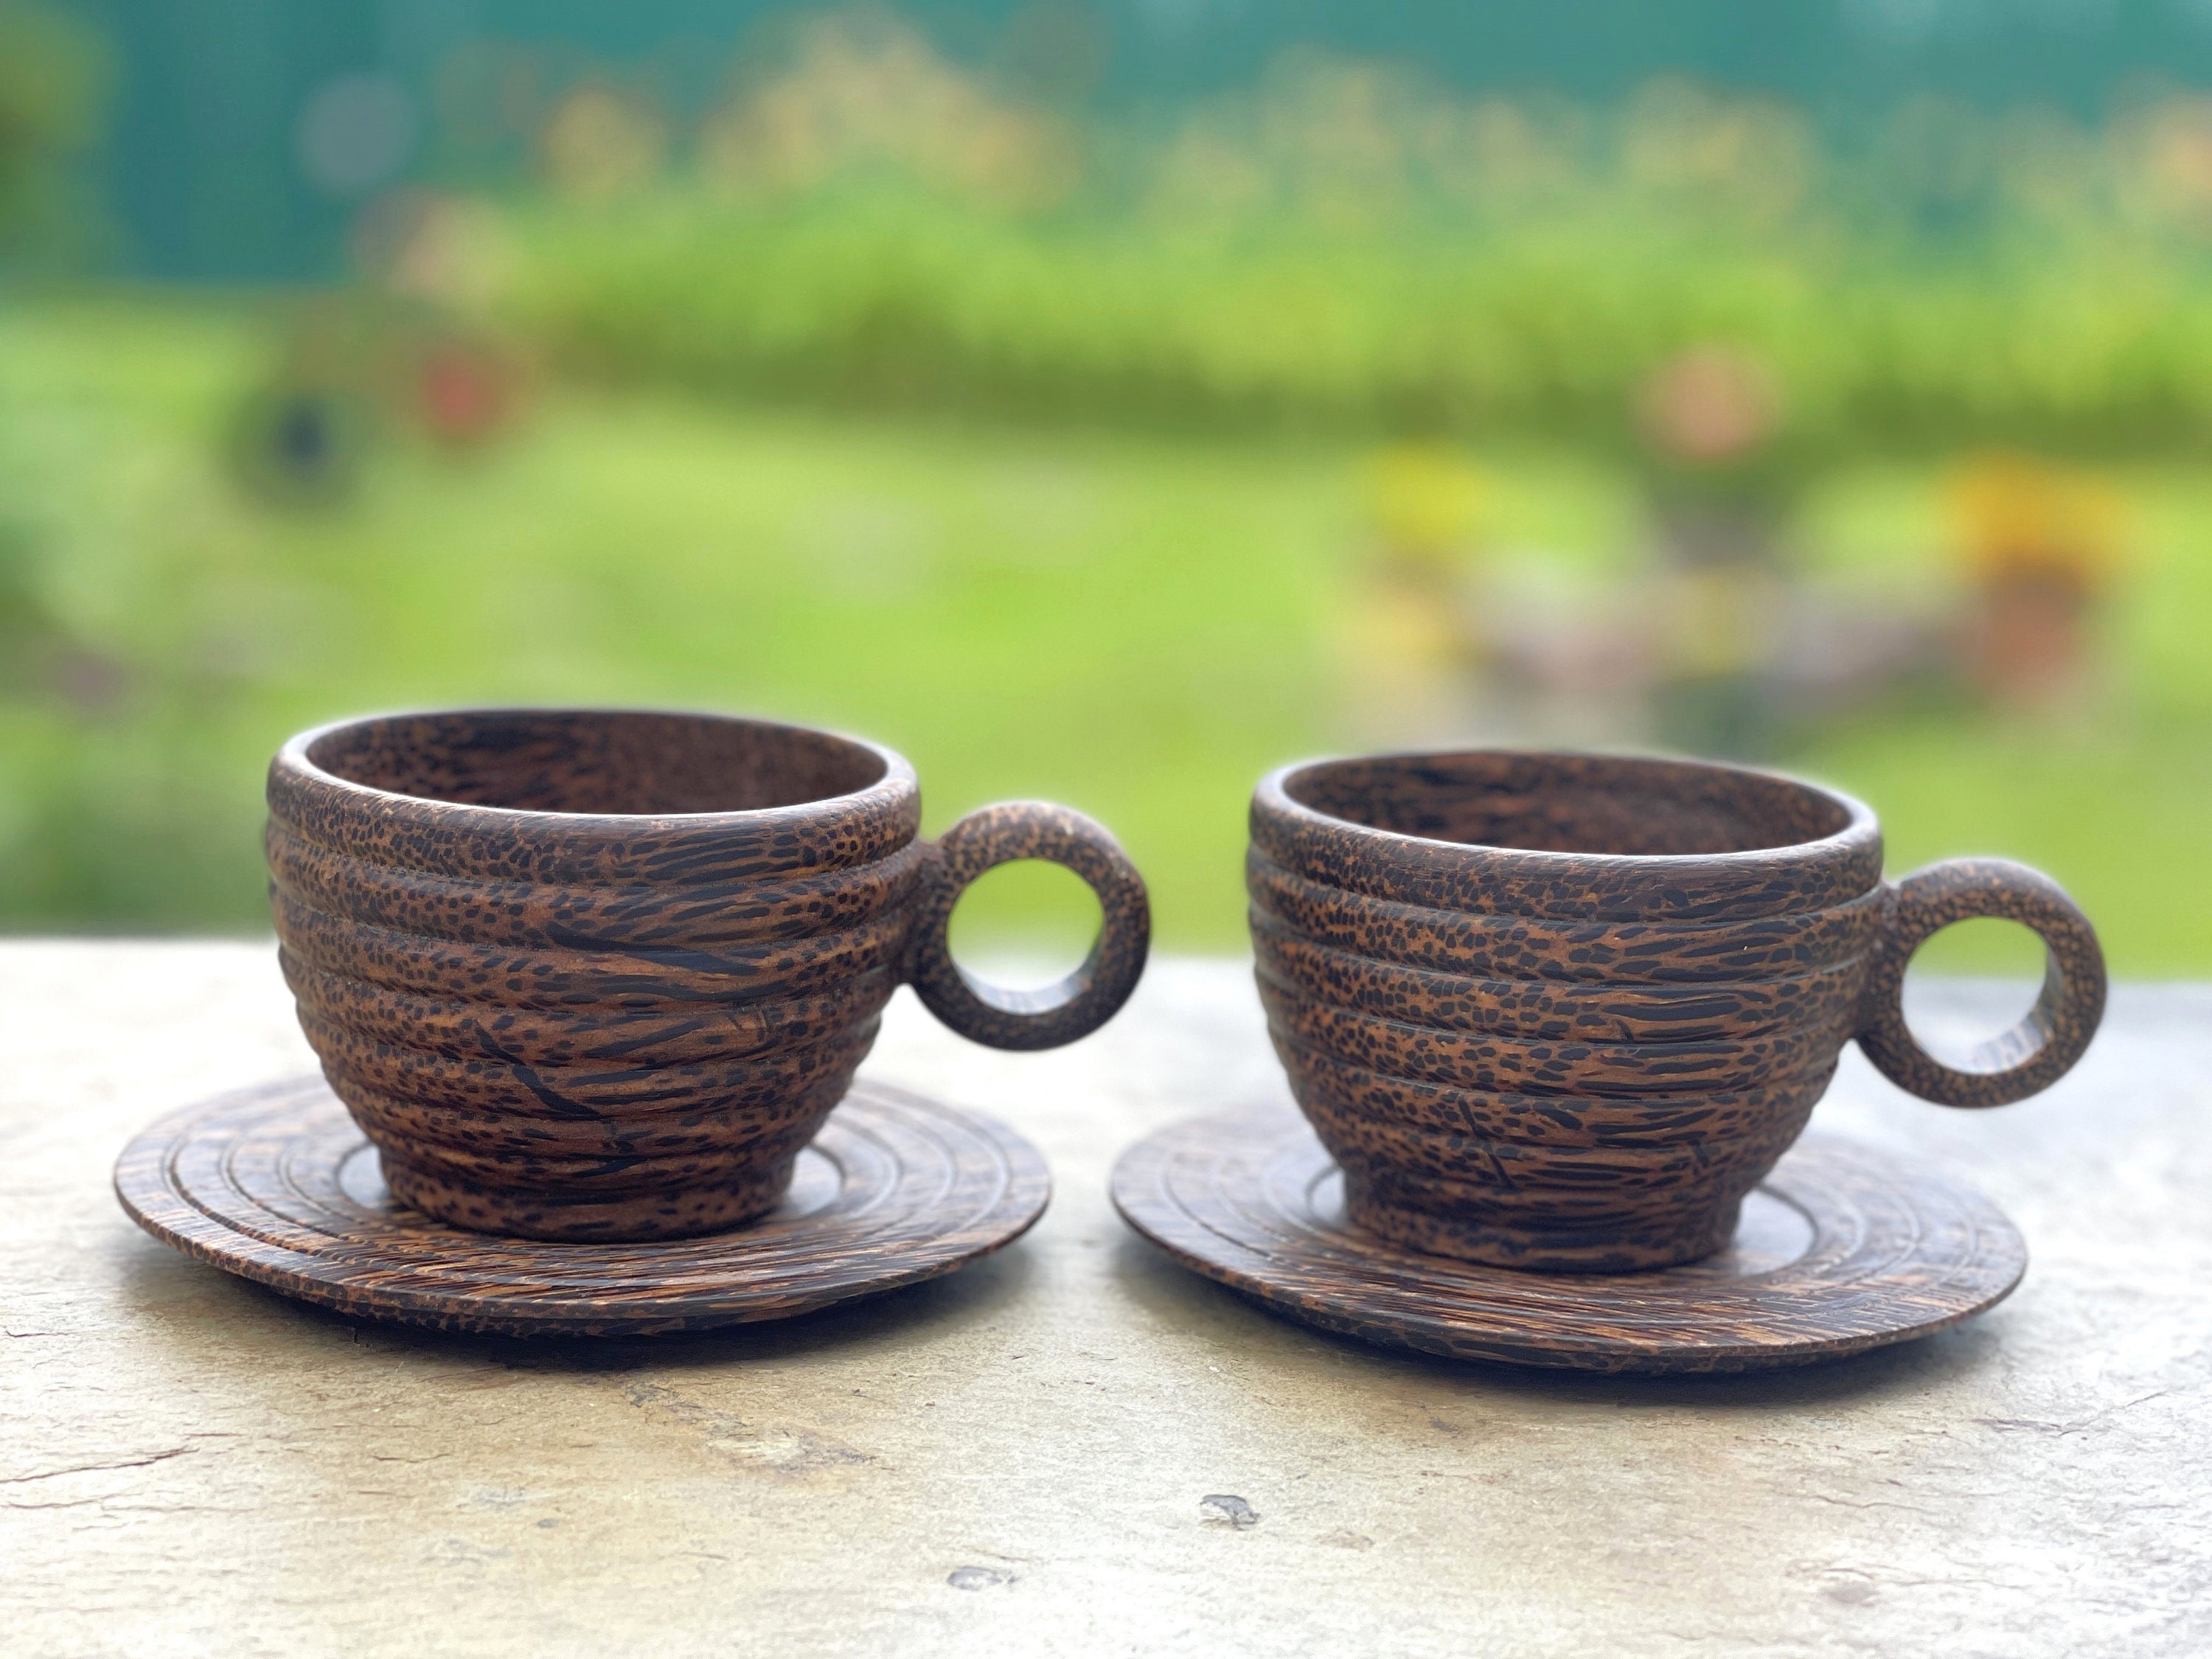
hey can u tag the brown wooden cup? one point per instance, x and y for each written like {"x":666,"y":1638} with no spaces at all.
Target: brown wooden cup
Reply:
{"x":594,"y":974}
{"x":1564,"y":1011}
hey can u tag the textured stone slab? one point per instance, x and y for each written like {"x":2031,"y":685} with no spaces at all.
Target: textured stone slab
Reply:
{"x":1076,"y":1447}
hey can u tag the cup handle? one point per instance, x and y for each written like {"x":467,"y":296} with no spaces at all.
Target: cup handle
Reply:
{"x":1086,"y":999}
{"x":2036,"y":1052}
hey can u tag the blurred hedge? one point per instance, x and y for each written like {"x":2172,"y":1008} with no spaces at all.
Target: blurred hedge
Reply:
{"x":889,"y":298}
{"x":1345,"y":245}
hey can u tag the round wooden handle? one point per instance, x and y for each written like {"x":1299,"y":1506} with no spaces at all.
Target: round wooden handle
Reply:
{"x":2036,"y":1052}
{"x":1086,"y":999}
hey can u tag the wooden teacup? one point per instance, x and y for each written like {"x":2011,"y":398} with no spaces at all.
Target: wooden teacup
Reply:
{"x":594,"y":974}
{"x":1564,"y":1011}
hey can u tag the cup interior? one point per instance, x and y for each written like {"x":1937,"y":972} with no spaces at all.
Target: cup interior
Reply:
{"x":1587,"y":803}
{"x":603,"y":762}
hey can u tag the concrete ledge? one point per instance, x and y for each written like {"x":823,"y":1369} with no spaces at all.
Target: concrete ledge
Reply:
{"x":1076,"y":1448}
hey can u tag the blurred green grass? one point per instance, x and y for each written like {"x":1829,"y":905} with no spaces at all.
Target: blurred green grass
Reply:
{"x":1128,"y":626}
{"x":1136,"y":625}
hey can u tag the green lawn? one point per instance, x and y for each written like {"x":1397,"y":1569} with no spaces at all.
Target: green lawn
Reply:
{"x":1135,"y":626}
{"x":1129,"y":627}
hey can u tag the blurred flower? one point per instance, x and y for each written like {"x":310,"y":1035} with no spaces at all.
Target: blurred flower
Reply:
{"x":1709,"y":404}
{"x":1396,"y":630}
{"x":2016,"y":515}
{"x":465,"y":391}
{"x":1499,"y":150}
{"x":1410,"y":626}
{"x":1337,"y":129}
{"x":2041,"y":543}
{"x":866,"y":91}
{"x":2173,"y":143}
{"x":1429,"y":502}
{"x":1749,"y":153}
{"x":450,"y":252}
{"x":601,"y":143}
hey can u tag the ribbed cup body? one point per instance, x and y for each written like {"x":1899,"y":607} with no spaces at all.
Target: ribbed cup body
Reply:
{"x":585,"y":974}
{"x":1559,"y":1011}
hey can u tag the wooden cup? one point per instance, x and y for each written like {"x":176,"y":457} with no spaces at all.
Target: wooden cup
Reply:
{"x":1564,"y":1011}
{"x":594,"y":974}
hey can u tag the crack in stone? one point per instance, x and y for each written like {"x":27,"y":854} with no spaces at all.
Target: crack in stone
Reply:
{"x":97,"y":1468}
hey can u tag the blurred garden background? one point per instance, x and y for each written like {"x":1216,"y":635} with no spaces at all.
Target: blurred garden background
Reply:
{"x":1106,"y":400}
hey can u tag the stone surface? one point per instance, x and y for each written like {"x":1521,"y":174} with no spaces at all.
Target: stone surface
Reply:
{"x":1076,"y":1448}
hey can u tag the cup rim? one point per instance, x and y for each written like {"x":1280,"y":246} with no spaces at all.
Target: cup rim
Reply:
{"x":295,"y":758}
{"x":1859,"y":821}
{"x":1393,"y":865}
{"x":462,"y":841}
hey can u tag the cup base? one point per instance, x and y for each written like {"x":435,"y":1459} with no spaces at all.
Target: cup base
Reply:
{"x":639,"y":1217}
{"x":1593,"y":1251}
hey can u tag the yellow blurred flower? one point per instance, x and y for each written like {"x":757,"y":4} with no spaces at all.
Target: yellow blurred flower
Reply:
{"x":2018,"y":516}
{"x":1429,"y":503}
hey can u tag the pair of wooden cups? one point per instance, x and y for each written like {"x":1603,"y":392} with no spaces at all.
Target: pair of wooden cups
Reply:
{"x":592,"y":975}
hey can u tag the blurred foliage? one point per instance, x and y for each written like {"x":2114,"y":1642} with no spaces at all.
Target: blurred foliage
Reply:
{"x":1348,"y":248}
{"x":1137,"y":625}
{"x":1119,"y":623}
{"x":946,"y":491}
{"x":52,"y":82}
{"x":880,"y":298}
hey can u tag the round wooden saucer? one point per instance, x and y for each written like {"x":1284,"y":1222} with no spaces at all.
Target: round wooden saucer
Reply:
{"x":277,"y":1185}
{"x":1844,"y":1248}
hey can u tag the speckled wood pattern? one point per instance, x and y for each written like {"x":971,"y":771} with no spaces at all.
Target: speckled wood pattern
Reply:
{"x":1563,"y":1011}
{"x":588,"y":974}
{"x":277,"y":1184}
{"x":1840,"y":1249}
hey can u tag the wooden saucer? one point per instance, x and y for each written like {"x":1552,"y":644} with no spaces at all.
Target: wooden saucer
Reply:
{"x":1841,"y":1249}
{"x":277,"y":1185}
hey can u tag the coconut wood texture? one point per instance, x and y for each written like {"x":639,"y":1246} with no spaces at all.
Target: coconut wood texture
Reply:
{"x":591,"y":974}
{"x":1841,"y":1249}
{"x":1079,"y":1003}
{"x":278,"y":1185}
{"x":2034,"y":1054}
{"x":1564,"y":1011}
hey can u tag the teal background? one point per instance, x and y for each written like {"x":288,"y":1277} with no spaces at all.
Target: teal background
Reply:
{"x":201,"y":182}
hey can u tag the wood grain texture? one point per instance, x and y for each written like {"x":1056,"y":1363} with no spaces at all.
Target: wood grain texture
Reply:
{"x":599,"y":974}
{"x":1083,"y":1001}
{"x":2034,"y":1054}
{"x":1564,"y":1011}
{"x":278,"y":1185}
{"x":1841,"y":1249}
